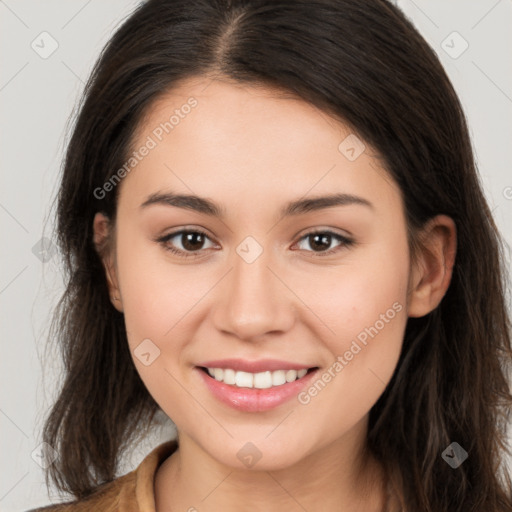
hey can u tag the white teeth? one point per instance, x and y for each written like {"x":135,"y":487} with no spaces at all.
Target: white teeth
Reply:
{"x":229,"y":376}
{"x":243,"y":379}
{"x":291,"y":375}
{"x":261,"y":380}
{"x":278,"y":378}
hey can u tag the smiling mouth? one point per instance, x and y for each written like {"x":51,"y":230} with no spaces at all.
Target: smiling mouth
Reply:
{"x":260,"y":380}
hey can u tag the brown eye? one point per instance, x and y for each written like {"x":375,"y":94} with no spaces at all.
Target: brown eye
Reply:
{"x":320,"y":242}
{"x":187,"y":241}
{"x":192,"y":241}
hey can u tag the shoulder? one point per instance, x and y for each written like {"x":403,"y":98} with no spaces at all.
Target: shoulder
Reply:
{"x":105,"y":498}
{"x":131,"y":492}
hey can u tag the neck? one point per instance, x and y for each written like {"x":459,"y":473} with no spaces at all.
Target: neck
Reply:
{"x":340,"y":476}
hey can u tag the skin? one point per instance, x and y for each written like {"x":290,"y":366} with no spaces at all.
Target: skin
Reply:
{"x":251,"y":150}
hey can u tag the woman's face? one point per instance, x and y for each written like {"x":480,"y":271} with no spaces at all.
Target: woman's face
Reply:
{"x":255,"y":288}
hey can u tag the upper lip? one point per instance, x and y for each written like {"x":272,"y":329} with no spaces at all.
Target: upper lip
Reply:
{"x":261,"y":365}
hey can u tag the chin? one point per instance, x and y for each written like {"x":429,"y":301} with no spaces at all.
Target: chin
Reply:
{"x":260,"y":454}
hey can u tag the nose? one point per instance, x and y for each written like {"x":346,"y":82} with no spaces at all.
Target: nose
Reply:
{"x":254,"y":301}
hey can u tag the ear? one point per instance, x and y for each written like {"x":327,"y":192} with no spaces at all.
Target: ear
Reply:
{"x":432,"y":271}
{"x":103,"y":242}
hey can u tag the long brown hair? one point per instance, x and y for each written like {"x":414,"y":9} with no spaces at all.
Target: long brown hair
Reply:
{"x":364,"y":63}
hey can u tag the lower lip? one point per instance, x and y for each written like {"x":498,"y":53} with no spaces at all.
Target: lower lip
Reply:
{"x":252,"y":399}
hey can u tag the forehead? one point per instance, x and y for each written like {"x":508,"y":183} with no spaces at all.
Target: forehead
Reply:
{"x":231,"y":112}
{"x":242,"y":143}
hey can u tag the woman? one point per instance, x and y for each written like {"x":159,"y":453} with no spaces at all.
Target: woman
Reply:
{"x":275,"y":234}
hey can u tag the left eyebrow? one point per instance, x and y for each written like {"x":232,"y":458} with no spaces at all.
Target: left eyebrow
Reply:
{"x":302,"y":206}
{"x":297,"y":207}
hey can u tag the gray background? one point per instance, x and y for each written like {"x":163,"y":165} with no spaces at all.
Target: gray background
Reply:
{"x":37,"y":95}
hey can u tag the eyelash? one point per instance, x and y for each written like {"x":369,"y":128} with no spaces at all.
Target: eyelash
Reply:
{"x":345,"y":242}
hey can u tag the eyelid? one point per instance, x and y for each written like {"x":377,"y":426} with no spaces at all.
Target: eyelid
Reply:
{"x":345,"y":241}
{"x":163,"y":240}
{"x":324,"y":229}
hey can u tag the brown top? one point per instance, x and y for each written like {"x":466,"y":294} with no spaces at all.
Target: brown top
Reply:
{"x":133,"y":492}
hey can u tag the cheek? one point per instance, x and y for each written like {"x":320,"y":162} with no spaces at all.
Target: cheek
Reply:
{"x":367,"y":313}
{"x":156,"y":294}
{"x":367,"y":292}
{"x":364,"y":358}
{"x":156,"y":298}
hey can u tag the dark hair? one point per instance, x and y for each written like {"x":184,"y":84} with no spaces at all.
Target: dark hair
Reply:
{"x":364,"y":63}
